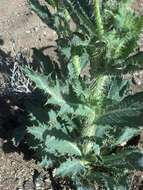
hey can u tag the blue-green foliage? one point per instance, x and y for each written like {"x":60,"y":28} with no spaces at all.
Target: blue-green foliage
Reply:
{"x":84,"y":131}
{"x":81,"y":127}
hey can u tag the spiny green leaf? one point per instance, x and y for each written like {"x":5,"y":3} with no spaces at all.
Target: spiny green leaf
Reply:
{"x":126,"y":135}
{"x":41,"y":10}
{"x":41,"y":82}
{"x":70,"y":168}
{"x":61,"y":147}
{"x":127,"y":116}
{"x":37,"y":132}
{"x":126,"y":158}
{"x":118,"y":89}
{"x":46,"y":163}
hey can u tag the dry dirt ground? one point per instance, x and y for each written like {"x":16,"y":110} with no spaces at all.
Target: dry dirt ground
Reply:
{"x":21,"y":29}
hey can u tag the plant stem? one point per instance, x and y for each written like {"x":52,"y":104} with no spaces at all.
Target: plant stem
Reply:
{"x":97,"y":13}
{"x":76,"y":64}
{"x":88,"y":132}
{"x":99,"y":97}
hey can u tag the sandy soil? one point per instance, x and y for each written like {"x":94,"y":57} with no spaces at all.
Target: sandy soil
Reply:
{"x":22,"y":29}
{"x":16,"y":172}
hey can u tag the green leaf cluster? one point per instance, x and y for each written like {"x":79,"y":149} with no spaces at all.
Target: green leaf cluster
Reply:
{"x":83,"y":127}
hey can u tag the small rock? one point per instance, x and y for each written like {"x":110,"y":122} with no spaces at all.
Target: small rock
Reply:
{"x":44,"y":33}
{"x":28,"y":31}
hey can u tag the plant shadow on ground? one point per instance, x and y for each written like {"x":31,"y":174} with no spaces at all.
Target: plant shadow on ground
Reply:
{"x":13,"y":107}
{"x":1,"y":41}
{"x":14,"y":118}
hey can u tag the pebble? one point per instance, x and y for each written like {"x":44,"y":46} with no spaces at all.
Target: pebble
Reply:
{"x":28,"y":31}
{"x":44,"y":33}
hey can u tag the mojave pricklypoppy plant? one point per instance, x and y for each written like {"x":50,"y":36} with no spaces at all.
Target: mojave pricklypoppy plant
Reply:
{"x":82,"y":125}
